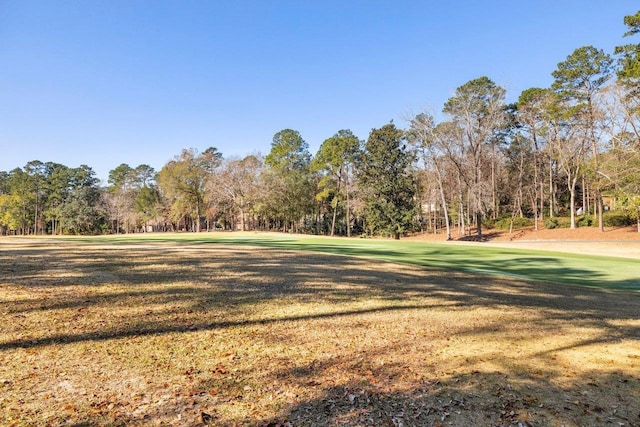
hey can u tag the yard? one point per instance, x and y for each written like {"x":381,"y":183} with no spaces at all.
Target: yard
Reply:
{"x":267,"y":330}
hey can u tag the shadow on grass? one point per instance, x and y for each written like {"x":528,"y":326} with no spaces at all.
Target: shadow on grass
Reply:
{"x":193,"y":282}
{"x":207,"y":288}
{"x":561,"y":268}
{"x":479,"y":398}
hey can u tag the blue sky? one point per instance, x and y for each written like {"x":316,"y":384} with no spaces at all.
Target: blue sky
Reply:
{"x":109,"y":82}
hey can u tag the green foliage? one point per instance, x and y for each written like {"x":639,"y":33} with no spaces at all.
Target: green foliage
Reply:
{"x":629,"y":55}
{"x":288,"y":180}
{"x":120,"y":178}
{"x":633,"y":23}
{"x":333,"y":159}
{"x":518,"y":223}
{"x":489,"y":222}
{"x":50,"y":194}
{"x":288,"y":151}
{"x":146,"y":202}
{"x":531,"y":96}
{"x":477,"y":98}
{"x":583,"y":72}
{"x":584,"y":221}
{"x":565,"y":222}
{"x":618,"y":219}
{"x":336,"y":152}
{"x":183,"y":182}
{"x":387,"y":182}
{"x":557,"y":222}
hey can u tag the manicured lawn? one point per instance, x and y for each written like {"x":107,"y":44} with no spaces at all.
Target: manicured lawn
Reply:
{"x":556,"y":267}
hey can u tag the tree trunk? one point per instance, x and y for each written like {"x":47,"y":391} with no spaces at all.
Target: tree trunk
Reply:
{"x":197,"y":217}
{"x":541,"y":200}
{"x":348,"y":207}
{"x":535,"y":191}
{"x":551,"y":195}
{"x":494,"y":195}
{"x":335,"y":207}
{"x":585,"y":204}
{"x":600,"y":207}
{"x":462,"y":224}
{"x":572,"y":192}
{"x":443,"y":200}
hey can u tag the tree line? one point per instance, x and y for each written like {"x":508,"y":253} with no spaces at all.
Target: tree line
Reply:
{"x":566,"y":153}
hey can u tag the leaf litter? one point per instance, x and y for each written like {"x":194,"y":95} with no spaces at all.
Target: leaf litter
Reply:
{"x":155,"y":335}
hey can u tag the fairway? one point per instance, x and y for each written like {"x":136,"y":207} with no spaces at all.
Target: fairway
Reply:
{"x":265,"y":329}
{"x":603,"y":271}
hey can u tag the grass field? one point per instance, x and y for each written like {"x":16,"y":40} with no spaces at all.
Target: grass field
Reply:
{"x":263,"y":329}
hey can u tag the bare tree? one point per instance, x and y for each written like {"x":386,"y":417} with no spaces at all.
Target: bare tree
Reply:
{"x":568,"y":146}
{"x":238,"y":183}
{"x":478,"y":110}
{"x":427,"y":141}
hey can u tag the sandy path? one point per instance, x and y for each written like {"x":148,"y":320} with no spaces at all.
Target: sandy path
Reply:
{"x":625,"y":249}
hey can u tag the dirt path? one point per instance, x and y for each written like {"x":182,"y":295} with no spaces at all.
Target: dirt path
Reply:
{"x":618,"y":248}
{"x":617,"y":242}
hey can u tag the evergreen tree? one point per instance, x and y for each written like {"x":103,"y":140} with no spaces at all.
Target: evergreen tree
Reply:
{"x":387,"y":182}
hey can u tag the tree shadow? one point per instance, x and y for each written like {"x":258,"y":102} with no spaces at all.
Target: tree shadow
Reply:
{"x":213,"y":288}
{"x":218,"y":279}
{"x":478,"y":398}
{"x":574,"y":269}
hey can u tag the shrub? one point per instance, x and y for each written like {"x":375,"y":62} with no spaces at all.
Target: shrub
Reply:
{"x":488,"y":223}
{"x":557,"y":222}
{"x":551,"y":223}
{"x":518,"y":222}
{"x":584,"y":221}
{"x":617,"y":219}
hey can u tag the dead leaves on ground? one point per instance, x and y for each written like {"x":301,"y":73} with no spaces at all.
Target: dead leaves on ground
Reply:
{"x":400,"y":346}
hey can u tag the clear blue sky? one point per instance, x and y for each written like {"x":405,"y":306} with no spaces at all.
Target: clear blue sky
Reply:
{"x":136,"y":81}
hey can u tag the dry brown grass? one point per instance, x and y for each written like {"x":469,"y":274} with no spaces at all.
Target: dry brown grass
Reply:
{"x":158,"y":335}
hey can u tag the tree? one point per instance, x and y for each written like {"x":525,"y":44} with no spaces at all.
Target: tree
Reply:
{"x":477,"y":109}
{"x":289,"y":183}
{"x":144,"y":176}
{"x":58,"y":190}
{"x":532,"y":116}
{"x":82,"y":213}
{"x":427,"y":141}
{"x":577,"y":80}
{"x":621,"y":160}
{"x":629,"y":57}
{"x":386,"y":180}
{"x":333,"y":159}
{"x":184,"y":180}
{"x":16,"y":204}
{"x":567,"y":146}
{"x":147,"y":203}
{"x":122,"y":195}
{"x":37,"y":171}
{"x":238,"y":184}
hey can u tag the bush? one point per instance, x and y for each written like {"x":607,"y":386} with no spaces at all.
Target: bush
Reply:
{"x":584,"y":221}
{"x":488,"y":223}
{"x":617,"y":219}
{"x":518,"y":222}
{"x":557,"y":222}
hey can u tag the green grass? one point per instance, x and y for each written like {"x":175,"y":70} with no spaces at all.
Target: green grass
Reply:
{"x":556,"y":267}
